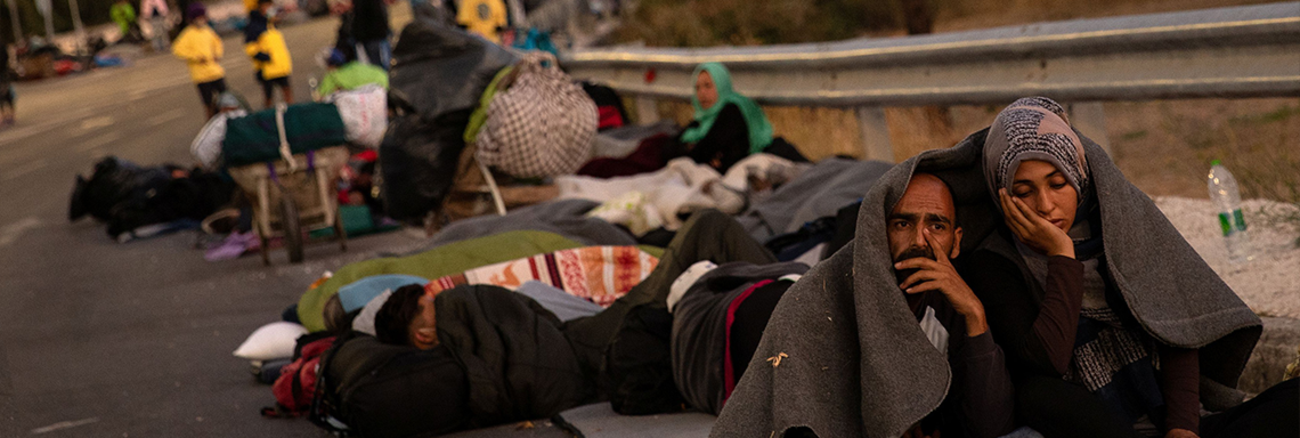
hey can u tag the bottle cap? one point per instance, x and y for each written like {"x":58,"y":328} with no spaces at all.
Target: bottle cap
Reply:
{"x":1214,"y":162}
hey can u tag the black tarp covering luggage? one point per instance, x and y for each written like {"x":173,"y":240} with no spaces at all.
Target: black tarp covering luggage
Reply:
{"x":439,"y":75}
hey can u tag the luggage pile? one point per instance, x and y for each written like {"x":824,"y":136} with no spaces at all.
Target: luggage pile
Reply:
{"x":518,"y":291}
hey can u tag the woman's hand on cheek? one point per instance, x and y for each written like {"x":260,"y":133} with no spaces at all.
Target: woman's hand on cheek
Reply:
{"x":1033,"y":230}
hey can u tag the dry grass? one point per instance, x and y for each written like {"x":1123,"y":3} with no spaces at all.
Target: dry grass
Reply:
{"x":695,"y":23}
{"x":979,"y":14}
{"x":1164,"y":147}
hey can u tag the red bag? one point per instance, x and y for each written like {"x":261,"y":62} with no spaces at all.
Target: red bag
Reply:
{"x":296,"y":385}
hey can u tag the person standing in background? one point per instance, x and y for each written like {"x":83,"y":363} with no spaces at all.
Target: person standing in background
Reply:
{"x":7,"y":109}
{"x":201,"y":49}
{"x":155,"y":11}
{"x":486,"y":18}
{"x":370,"y":30}
{"x":124,"y":16}
{"x":270,"y":55}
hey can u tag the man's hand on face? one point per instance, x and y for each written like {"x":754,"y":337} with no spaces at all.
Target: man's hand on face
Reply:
{"x":940,"y":275}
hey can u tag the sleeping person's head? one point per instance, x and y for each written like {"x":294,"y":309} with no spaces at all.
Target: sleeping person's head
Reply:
{"x":407,"y":318}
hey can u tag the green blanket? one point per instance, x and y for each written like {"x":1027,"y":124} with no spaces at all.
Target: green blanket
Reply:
{"x":445,"y":260}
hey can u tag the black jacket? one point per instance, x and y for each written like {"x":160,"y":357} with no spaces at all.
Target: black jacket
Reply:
{"x":727,"y":140}
{"x":519,"y":364}
{"x":370,"y":20}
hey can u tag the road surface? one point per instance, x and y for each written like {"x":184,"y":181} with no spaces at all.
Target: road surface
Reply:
{"x":134,"y":340}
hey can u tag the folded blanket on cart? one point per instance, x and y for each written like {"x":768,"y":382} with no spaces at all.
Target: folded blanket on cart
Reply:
{"x":307,"y":127}
{"x":599,"y":274}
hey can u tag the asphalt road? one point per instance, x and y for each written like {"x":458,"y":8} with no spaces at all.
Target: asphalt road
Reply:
{"x":134,"y":340}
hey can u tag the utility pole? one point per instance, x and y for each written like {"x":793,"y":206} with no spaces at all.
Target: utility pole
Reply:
{"x":76,"y":24}
{"x":17,"y":24}
{"x":47,"y":10}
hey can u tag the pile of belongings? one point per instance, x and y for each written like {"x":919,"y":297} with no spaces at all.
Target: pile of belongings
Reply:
{"x":438,"y":76}
{"x":139,"y":202}
{"x":489,"y":271}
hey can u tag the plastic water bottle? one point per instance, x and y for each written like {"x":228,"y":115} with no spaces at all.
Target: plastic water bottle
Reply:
{"x":1227,"y":199}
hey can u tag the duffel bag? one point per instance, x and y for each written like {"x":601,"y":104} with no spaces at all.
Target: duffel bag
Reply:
{"x":542,"y":125}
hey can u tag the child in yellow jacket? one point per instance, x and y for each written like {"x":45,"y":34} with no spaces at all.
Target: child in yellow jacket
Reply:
{"x":265,"y":45}
{"x":201,"y":49}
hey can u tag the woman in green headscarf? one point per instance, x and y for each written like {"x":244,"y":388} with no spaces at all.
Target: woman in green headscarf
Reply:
{"x":727,"y":127}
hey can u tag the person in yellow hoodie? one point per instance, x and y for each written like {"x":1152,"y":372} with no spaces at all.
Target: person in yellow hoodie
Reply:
{"x":201,"y":49}
{"x":265,"y":44}
{"x":486,"y":18}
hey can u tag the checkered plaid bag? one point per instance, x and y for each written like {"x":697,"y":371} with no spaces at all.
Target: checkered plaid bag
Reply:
{"x":543,"y":125}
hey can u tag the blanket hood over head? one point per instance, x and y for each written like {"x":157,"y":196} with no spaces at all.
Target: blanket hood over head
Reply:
{"x":854,"y":361}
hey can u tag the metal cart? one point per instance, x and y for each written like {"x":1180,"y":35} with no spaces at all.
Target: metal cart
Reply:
{"x":292,"y":197}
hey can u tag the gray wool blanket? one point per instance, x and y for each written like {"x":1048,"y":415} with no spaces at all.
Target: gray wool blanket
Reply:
{"x":818,"y":192}
{"x":854,"y":362}
{"x":564,"y":217}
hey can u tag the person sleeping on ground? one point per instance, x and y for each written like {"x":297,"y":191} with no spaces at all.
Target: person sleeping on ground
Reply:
{"x":1083,"y":291}
{"x":923,"y":298}
{"x":496,"y":356}
{"x":726,"y":126}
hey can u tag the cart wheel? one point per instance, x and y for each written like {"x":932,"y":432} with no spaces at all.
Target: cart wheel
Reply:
{"x":292,"y":229}
{"x":265,"y":249}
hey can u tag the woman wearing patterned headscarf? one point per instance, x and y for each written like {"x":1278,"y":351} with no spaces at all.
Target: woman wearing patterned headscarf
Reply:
{"x":727,"y":126}
{"x":1086,"y":364}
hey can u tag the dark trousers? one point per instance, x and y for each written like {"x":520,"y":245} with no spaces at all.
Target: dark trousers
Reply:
{"x":707,"y":235}
{"x":1274,"y":413}
{"x":379,"y":52}
{"x":1059,"y":409}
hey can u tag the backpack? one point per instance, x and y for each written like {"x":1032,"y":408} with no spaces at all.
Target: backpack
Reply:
{"x":367,"y":388}
{"x":295,"y":389}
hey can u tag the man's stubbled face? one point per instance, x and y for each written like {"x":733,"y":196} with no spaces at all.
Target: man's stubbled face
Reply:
{"x":926,"y":205}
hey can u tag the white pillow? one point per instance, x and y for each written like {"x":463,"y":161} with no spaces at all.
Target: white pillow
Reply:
{"x":271,"y":341}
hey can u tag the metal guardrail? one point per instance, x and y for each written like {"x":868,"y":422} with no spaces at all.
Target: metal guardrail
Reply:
{"x":1238,"y":52}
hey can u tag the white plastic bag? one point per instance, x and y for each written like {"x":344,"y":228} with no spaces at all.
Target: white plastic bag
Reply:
{"x":365,"y":114}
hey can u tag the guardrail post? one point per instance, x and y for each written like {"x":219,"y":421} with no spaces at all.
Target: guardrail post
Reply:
{"x":647,"y":110}
{"x":875,"y":134}
{"x":1090,"y":119}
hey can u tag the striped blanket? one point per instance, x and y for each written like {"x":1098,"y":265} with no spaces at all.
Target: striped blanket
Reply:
{"x":600,"y":274}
